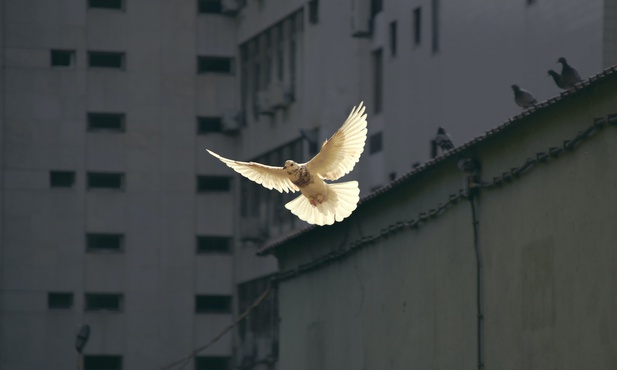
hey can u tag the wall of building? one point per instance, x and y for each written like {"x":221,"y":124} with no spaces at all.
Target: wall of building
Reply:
{"x":408,"y":298}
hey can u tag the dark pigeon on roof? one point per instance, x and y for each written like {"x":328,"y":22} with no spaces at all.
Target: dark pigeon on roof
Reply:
{"x":557,"y":78}
{"x":443,"y":140}
{"x":523,"y":98}
{"x":569,"y":75}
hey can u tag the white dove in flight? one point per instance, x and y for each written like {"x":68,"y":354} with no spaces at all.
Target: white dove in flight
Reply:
{"x":321,"y":203}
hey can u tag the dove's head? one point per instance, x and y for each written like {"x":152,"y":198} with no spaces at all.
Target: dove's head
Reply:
{"x":290,"y":166}
{"x":516,"y":88}
{"x":562,"y":60}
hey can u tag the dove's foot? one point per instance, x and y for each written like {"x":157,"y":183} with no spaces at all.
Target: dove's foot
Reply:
{"x":318,"y":199}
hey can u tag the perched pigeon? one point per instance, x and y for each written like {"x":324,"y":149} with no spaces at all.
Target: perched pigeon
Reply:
{"x":557,"y":78}
{"x":321,"y":203}
{"x":569,"y":75}
{"x":443,"y":140}
{"x":522,"y":97}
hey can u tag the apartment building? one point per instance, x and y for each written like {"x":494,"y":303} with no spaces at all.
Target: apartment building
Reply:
{"x":113,"y":215}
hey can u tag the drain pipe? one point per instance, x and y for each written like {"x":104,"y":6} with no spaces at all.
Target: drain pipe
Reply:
{"x":472,"y":168}
{"x":479,"y":283}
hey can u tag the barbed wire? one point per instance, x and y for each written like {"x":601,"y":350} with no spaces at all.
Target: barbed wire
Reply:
{"x":423,"y":217}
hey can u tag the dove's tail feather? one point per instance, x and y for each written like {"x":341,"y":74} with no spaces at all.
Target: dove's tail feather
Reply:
{"x":341,"y":201}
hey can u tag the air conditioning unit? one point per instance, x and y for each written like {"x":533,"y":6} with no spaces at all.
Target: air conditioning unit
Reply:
{"x":360,"y":18}
{"x":264,"y":106}
{"x":231,"y":121}
{"x":230,"y":7}
{"x":277,"y":95}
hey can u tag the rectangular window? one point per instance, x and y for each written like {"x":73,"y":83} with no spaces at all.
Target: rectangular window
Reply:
{"x":213,"y":244}
{"x":103,"y":302}
{"x":106,"y":59}
{"x":102,"y":362}
{"x":375,"y":143}
{"x":417,"y":26}
{"x":212,"y":363}
{"x":207,"y":184}
{"x":106,"y":4}
{"x":106,"y":121}
{"x":393,"y":38}
{"x":313,"y":11}
{"x":209,"y":6}
{"x":435,"y":25}
{"x":214,"y":65}
{"x":104,"y":242}
{"x":206,"y":125}
{"x":105,"y":180}
{"x":59,"y":301}
{"x":61,"y":179}
{"x":212,"y":304}
{"x":62,"y":58}
{"x":377,"y":81}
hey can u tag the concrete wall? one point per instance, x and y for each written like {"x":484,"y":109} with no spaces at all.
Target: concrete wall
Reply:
{"x":409,"y":299}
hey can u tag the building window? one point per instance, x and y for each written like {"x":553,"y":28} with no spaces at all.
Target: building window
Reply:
{"x":213,"y":244}
{"x":393,"y":38}
{"x":104,"y":242}
{"x":417,"y":26}
{"x":106,"y":59}
{"x":106,"y":122}
{"x":206,"y":125}
{"x":209,"y":6}
{"x":214,"y":65}
{"x":103,"y":302}
{"x":212,"y":363}
{"x":105,"y":180}
{"x":207,"y":183}
{"x":313,"y":11}
{"x":61,"y":179}
{"x":62,"y":58}
{"x":212,"y":304}
{"x":377,"y":81}
{"x":375,"y":143}
{"x":106,"y":4}
{"x":529,"y":2}
{"x":102,"y":362}
{"x":59,"y":301}
{"x":435,"y":25}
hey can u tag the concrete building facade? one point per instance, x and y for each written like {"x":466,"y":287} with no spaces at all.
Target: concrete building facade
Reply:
{"x":113,"y":214}
{"x":519,"y":275}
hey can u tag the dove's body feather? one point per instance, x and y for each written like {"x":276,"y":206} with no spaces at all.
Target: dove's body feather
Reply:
{"x":320,"y":203}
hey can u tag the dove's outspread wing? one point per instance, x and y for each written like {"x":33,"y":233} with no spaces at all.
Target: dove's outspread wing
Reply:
{"x":268,"y":176}
{"x":340,"y":153}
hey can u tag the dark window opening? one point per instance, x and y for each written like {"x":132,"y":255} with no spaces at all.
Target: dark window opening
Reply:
{"x":61,"y":179}
{"x":393,"y":38}
{"x":106,"y":4}
{"x":417,"y":26}
{"x":375,"y":143}
{"x":59,"y":301}
{"x":104,"y":242}
{"x":213,"y":183}
{"x":435,"y":25}
{"x":100,"y":180}
{"x":62,"y":58}
{"x":106,"y":121}
{"x":214,"y":64}
{"x":263,"y":319}
{"x":209,"y":6}
{"x":103,"y":302}
{"x":207,"y":125}
{"x":377,"y":81}
{"x":213,"y":244}
{"x":212,"y":363}
{"x":213,"y":304}
{"x":529,"y":2}
{"x":102,"y":362}
{"x":313,"y":11}
{"x":106,"y":59}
